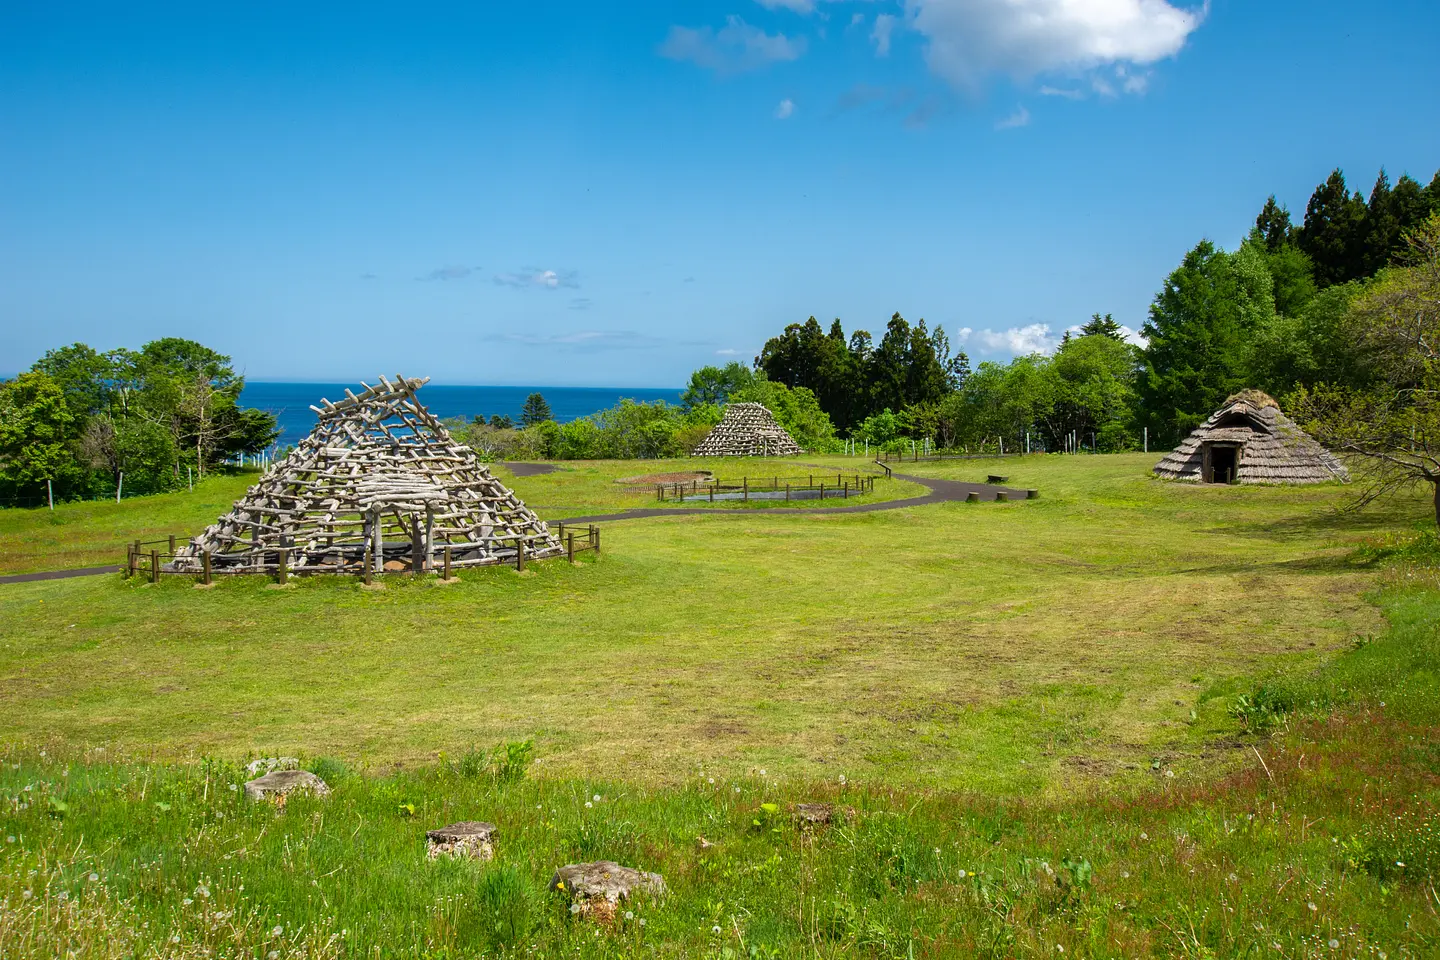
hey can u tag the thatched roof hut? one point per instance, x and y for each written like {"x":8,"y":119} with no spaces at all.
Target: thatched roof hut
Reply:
{"x":1250,"y":441}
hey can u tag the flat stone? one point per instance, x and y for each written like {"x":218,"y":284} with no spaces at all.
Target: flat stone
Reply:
{"x":277,"y":784}
{"x":469,"y":838}
{"x":264,"y":765}
{"x":604,"y":880}
{"x":813,"y":814}
{"x":395,"y":566}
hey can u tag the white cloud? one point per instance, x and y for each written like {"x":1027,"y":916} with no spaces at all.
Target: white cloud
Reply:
{"x":1020,"y":118}
{"x":536,"y":277}
{"x":728,"y":352}
{"x":1066,"y":92}
{"x":971,"y":39}
{"x":785,"y":110}
{"x":1033,"y":338}
{"x":734,"y":47}
{"x":884,"y":25}
{"x":1131,"y":336}
{"x":449,"y":272}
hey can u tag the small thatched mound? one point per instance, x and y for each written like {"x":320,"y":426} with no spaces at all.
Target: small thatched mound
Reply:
{"x":747,"y":430}
{"x":1250,"y":441}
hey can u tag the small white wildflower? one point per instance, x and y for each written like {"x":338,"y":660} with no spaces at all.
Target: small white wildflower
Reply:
{"x":1312,"y":906}
{"x":277,"y":930}
{"x":175,"y":938}
{"x":737,"y":789}
{"x":629,"y":914}
{"x":574,"y":908}
{"x":202,"y":891}
{"x":94,"y":877}
{"x":762,"y":772}
{"x":1144,"y":836}
{"x":1124,"y":874}
{"x":1334,"y":944}
{"x":25,"y":895}
{"x":10,"y":839}
{"x":64,"y":895}
{"x":588,"y":804}
{"x":187,"y":901}
{"x":642,"y":921}
{"x":1060,"y":948}
{"x":596,"y":798}
{"x":715,"y":929}
{"x":272,"y":955}
{"x":711,"y":780}
{"x":1399,"y":863}
{"x":1170,"y":774}
{"x":963,"y":874}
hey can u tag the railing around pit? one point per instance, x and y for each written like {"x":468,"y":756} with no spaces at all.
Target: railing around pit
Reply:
{"x":151,"y":563}
{"x":769,"y":488}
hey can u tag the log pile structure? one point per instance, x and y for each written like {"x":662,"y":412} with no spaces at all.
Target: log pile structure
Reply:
{"x":379,"y":480}
{"x":747,"y":430}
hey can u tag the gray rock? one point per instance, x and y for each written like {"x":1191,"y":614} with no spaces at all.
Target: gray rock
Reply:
{"x":277,"y":784}
{"x":813,"y":814}
{"x":469,"y":838}
{"x":264,"y":765}
{"x":604,"y":880}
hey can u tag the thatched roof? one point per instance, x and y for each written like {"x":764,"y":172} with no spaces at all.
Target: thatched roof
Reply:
{"x":1272,"y":448}
{"x":747,"y":430}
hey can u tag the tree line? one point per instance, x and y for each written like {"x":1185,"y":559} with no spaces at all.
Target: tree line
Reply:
{"x":79,"y":419}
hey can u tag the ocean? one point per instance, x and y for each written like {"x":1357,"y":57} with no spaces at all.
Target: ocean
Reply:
{"x":290,"y":402}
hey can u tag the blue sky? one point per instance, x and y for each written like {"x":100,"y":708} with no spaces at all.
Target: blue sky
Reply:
{"x":606,"y":194}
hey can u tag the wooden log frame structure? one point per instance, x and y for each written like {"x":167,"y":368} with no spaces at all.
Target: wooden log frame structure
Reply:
{"x":747,"y":430}
{"x":379,"y":480}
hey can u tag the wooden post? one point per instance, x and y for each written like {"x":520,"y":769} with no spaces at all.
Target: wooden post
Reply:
{"x":447,"y":561}
{"x":1002,"y":497}
{"x":570,"y":547}
{"x":118,"y":485}
{"x":429,"y":562}
{"x":366,"y":572}
{"x":519,"y":554}
{"x":745,"y":488}
{"x":660,"y":492}
{"x":417,"y":548}
{"x":560,"y":529}
{"x":205,"y":567}
{"x":172,"y":544}
{"x":845,"y":490}
{"x":787,"y":493}
{"x":712,"y":493}
{"x":154,"y":566}
{"x":282,"y":567}
{"x":377,"y":543}
{"x":129,"y":560}
{"x":822,"y":490}
{"x":50,"y":491}
{"x":595,"y":538}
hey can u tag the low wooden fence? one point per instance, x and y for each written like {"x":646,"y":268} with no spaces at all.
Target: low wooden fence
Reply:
{"x":152,"y":563}
{"x":918,"y":457}
{"x":843,"y":485}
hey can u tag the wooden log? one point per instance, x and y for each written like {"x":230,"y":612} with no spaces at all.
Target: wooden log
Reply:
{"x":282,"y":566}
{"x":154,"y":566}
{"x":447,"y":562}
{"x":205,"y":568}
{"x":519,"y":554}
{"x":172,"y":544}
{"x":417,"y":549}
{"x":595,"y":539}
{"x":570,"y":547}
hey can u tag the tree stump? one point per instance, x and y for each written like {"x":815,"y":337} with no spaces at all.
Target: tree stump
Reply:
{"x":469,"y":838}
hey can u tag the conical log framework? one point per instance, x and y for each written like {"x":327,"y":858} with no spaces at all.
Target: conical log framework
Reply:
{"x":381,"y":480}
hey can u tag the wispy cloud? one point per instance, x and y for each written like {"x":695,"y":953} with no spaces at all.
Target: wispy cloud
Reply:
{"x":729,"y":352}
{"x":536,"y":277}
{"x":785,"y":110}
{"x":916,"y":109}
{"x":449,"y":272}
{"x":969,"y":40}
{"x":884,"y":26}
{"x":733,"y":48}
{"x":586,"y":341}
{"x":1066,"y":92}
{"x":369,"y":276}
{"x":1020,"y":118}
{"x":580,"y":303}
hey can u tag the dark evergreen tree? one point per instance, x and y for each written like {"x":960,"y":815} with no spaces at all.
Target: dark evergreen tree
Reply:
{"x":1104,"y":326}
{"x":1274,"y":224}
{"x":535,"y":411}
{"x":1333,"y":235}
{"x":1382,"y":226}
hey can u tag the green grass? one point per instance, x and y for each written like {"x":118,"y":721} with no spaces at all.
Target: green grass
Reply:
{"x":1327,"y":835}
{"x":1009,"y":648}
{"x":1011,"y":685}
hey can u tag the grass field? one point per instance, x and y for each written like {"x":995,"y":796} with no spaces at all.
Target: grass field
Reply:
{"x":1023,"y":691}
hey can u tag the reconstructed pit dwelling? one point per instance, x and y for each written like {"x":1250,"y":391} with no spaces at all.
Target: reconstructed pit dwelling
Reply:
{"x":379,"y":481}
{"x":1249,"y":440}
{"x":747,"y":430}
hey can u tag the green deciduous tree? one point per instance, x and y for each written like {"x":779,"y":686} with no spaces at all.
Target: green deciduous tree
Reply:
{"x":36,"y":427}
{"x":715,"y":385}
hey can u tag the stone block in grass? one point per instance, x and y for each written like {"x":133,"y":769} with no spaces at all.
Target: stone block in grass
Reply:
{"x":469,"y":838}
{"x":278,"y":784}
{"x":596,"y":888}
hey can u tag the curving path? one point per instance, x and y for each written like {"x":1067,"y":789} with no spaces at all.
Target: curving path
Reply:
{"x":940,"y":491}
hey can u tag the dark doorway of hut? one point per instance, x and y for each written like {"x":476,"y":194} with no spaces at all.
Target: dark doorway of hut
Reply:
{"x":1220,"y":462}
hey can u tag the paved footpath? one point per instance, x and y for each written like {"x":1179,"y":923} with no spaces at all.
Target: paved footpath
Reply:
{"x":941,"y":491}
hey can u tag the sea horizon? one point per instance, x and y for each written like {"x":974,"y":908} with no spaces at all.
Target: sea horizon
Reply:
{"x":290,"y":400}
